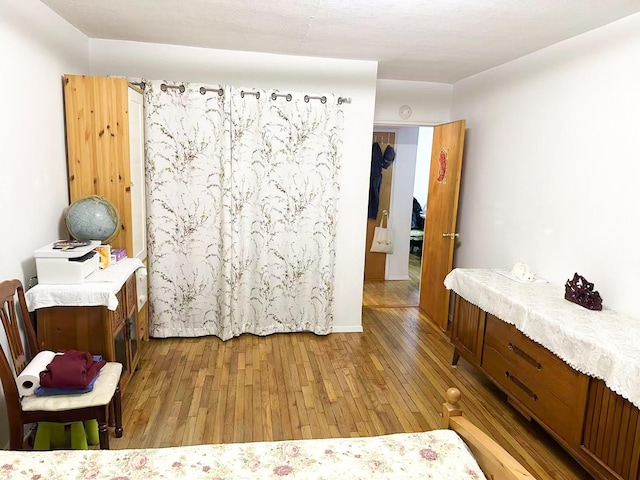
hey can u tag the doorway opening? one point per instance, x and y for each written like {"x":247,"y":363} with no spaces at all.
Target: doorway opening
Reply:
{"x":394,"y":280}
{"x":440,"y":236}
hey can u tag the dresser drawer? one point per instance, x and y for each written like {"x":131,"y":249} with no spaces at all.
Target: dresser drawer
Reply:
{"x":532,"y":360}
{"x":565,"y":420}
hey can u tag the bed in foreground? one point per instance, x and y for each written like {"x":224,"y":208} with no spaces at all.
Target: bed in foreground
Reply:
{"x":460,"y":452}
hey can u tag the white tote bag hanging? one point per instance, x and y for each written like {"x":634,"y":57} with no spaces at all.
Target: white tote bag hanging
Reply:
{"x":383,"y":236}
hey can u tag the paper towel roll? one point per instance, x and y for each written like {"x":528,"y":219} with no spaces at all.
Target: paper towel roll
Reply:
{"x":29,"y":379}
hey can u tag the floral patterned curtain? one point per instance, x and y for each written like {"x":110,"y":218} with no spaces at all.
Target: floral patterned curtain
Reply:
{"x":242,"y":199}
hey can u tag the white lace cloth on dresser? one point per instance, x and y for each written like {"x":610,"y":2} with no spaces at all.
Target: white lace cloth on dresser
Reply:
{"x":99,"y":288}
{"x":602,"y":344}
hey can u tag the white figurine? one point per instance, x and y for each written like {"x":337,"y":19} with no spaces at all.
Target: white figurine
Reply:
{"x":522,"y":272}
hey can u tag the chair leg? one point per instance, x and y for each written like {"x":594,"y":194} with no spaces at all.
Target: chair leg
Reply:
{"x":117,"y":411}
{"x":103,"y":433}
{"x":16,"y":437}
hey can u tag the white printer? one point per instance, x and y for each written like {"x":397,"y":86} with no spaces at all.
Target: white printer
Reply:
{"x":62,"y":263}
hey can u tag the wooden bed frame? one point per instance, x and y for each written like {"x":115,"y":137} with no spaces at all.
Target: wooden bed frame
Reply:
{"x":495,"y":461}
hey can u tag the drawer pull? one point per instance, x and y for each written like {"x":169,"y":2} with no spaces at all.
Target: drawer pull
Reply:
{"x":527,"y":358}
{"x":522,"y":386}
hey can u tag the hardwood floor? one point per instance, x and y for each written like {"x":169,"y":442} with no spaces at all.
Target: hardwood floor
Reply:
{"x":389,"y":379}
{"x":394,"y":293}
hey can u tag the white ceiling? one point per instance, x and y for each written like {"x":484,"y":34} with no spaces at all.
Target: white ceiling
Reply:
{"x":429,"y":40}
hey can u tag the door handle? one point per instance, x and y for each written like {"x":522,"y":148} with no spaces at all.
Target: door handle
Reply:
{"x":450,"y":235}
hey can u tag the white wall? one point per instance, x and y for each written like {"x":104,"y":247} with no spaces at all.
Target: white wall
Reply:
{"x":37,"y":47}
{"x":423,"y":165}
{"x":551,"y":172}
{"x":348,"y":78}
{"x":430,"y":102}
{"x":401,"y":201}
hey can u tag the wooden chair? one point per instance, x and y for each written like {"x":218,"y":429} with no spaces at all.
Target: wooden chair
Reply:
{"x":56,"y":408}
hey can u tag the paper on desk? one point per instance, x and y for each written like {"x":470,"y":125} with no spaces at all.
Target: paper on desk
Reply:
{"x":105,"y":275}
{"x":116,"y":273}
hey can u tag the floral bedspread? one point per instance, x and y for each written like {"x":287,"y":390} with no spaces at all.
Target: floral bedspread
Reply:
{"x":437,"y":454}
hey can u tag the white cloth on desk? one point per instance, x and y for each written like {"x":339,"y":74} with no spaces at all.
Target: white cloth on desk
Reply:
{"x":597,"y":343}
{"x":100,"y":288}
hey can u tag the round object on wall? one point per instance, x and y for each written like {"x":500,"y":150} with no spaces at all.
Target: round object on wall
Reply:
{"x":404,"y":112}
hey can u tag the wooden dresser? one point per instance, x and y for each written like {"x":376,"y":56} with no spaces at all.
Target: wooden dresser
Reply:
{"x":599,"y":428}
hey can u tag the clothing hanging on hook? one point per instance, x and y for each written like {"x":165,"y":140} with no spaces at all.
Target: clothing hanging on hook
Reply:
{"x":379,"y":161}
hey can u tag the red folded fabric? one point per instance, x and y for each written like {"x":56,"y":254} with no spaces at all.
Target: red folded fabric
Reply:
{"x":72,"y":369}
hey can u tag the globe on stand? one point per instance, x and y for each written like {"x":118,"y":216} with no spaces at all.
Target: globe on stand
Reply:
{"x":92,"y":218}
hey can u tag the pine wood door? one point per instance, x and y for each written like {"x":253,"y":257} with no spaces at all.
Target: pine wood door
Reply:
{"x":440,"y":222}
{"x":97,"y":122}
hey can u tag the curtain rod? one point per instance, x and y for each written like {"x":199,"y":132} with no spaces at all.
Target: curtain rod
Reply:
{"x":274,"y":96}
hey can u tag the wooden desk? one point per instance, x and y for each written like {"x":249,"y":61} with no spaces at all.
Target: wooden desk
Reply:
{"x":114,"y":334}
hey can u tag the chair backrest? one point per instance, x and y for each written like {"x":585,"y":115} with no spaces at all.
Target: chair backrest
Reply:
{"x":9,"y":289}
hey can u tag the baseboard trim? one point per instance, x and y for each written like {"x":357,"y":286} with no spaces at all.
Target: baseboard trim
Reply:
{"x":391,"y":278}
{"x":347,"y":329}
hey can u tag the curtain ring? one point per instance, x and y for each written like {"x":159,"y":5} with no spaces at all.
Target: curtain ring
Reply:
{"x":306,"y":98}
